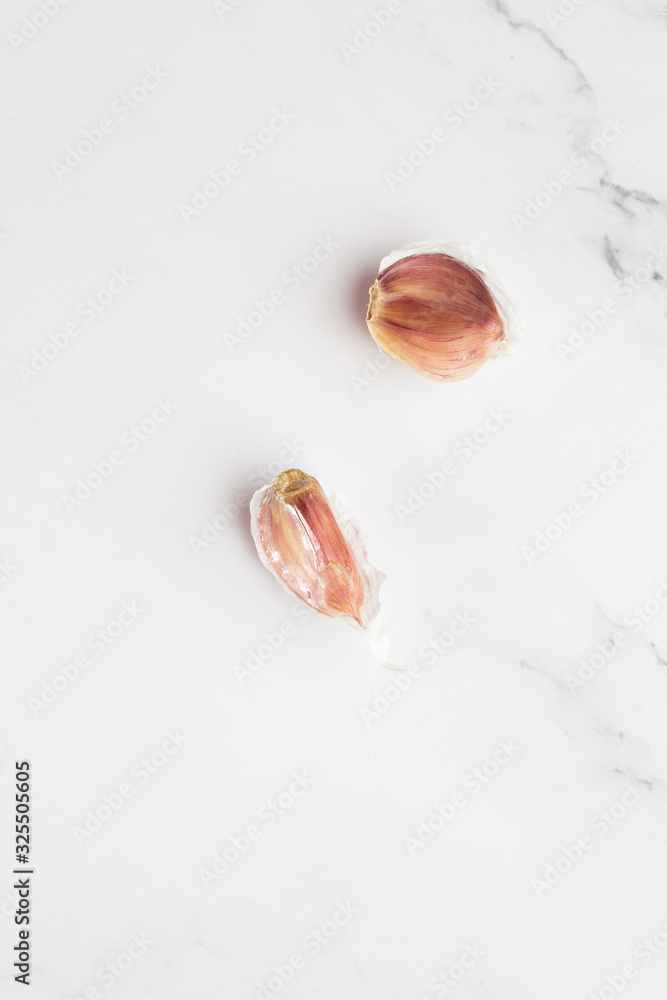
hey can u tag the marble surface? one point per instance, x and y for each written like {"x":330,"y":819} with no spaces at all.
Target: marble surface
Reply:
{"x":231,"y":799}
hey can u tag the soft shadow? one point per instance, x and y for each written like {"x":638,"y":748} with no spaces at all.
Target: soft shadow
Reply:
{"x":357,"y":299}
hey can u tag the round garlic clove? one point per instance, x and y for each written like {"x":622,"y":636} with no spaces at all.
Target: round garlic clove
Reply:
{"x":438,"y":308}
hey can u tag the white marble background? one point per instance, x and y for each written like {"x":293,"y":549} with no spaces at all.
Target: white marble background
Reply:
{"x":127,"y":910}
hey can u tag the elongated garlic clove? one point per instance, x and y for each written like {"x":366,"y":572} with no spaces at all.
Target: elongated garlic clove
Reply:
{"x":317,"y":555}
{"x":438,"y":308}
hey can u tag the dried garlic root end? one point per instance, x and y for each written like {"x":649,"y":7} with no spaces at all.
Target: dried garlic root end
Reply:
{"x":373,"y":293}
{"x":292,"y":483}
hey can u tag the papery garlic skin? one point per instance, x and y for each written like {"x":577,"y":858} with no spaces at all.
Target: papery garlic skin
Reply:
{"x":317,"y":555}
{"x":438,"y":308}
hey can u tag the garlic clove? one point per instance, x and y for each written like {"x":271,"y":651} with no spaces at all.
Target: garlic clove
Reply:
{"x":438,"y":308}
{"x":301,"y":537}
{"x":318,"y":555}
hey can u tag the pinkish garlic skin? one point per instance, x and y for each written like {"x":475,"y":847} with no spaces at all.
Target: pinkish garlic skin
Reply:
{"x":437,"y":315}
{"x":305,"y":546}
{"x":312,"y":544}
